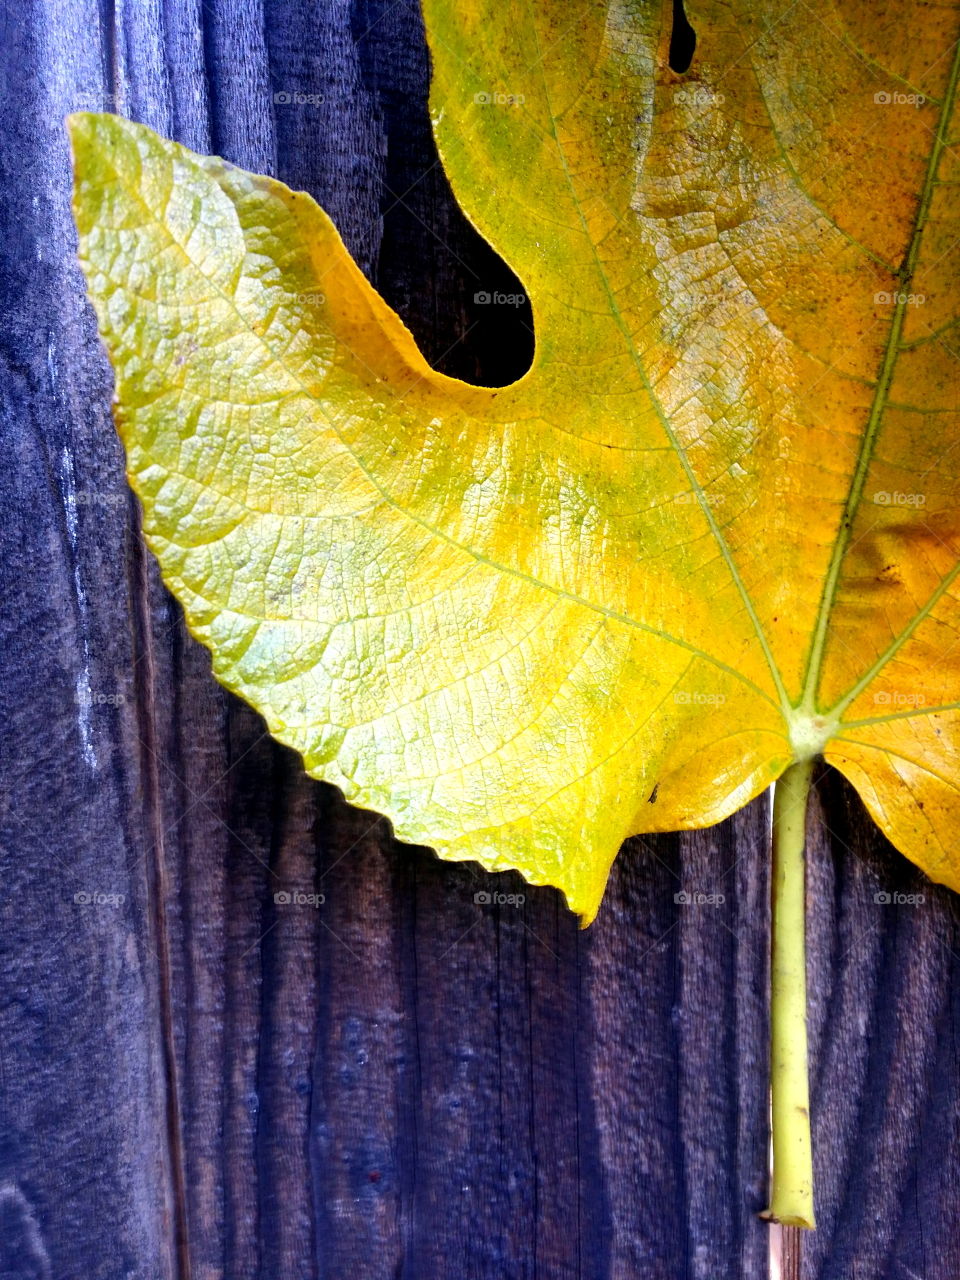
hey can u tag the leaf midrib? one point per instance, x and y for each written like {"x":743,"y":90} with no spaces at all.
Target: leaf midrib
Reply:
{"x":904,"y":276}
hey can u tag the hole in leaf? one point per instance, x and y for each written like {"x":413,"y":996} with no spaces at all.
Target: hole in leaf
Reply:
{"x":466,"y":308}
{"x":683,"y":40}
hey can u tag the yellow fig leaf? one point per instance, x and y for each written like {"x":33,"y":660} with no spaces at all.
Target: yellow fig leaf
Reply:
{"x":714,"y":530}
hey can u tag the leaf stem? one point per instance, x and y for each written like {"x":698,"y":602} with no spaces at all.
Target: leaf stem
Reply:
{"x":791,"y":1192}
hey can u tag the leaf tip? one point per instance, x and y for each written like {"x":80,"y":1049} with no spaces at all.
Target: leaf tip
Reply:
{"x":79,"y":125}
{"x":85,"y":130}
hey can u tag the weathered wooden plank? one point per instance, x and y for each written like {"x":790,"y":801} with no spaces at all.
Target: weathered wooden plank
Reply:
{"x":85,"y":1173}
{"x":884,"y":1004}
{"x":680,"y":1069}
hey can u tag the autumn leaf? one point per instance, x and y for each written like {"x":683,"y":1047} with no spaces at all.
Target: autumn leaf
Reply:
{"x":712,"y":532}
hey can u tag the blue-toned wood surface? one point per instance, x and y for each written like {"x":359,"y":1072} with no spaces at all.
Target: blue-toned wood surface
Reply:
{"x":200,"y":1080}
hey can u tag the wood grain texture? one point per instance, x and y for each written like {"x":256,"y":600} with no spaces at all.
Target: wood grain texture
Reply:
{"x":221,"y":1075}
{"x":884,"y":1022}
